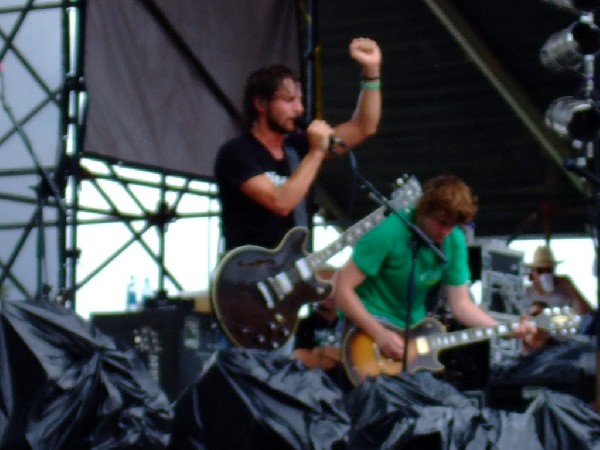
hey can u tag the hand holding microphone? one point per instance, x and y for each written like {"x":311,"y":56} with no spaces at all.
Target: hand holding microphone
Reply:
{"x":319,"y":129}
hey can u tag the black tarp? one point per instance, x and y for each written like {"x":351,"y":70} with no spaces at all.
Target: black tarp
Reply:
{"x":253,"y":400}
{"x":64,"y":385}
{"x":563,"y":362}
{"x":394,"y":412}
{"x":568,"y":367}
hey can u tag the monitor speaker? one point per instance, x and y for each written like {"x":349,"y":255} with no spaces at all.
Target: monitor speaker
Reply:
{"x":173,"y":342}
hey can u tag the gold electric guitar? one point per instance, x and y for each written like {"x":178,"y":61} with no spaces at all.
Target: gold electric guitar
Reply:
{"x":361,"y":356}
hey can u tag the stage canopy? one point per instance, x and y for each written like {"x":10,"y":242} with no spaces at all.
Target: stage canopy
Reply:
{"x":165,"y":79}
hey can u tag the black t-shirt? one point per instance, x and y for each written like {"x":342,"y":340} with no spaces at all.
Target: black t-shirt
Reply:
{"x":243,"y":220}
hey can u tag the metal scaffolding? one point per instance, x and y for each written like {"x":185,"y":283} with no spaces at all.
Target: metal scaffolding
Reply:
{"x":47,"y":192}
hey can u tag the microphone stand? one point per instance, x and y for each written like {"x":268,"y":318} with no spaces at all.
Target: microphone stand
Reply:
{"x":418,"y":239}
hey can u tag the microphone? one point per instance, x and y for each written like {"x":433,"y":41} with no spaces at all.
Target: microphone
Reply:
{"x":302,"y":124}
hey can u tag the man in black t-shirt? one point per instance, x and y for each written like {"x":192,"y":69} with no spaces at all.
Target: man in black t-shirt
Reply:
{"x":265,"y":175}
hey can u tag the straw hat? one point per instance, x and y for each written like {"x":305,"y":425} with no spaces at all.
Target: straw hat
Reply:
{"x":542,"y":257}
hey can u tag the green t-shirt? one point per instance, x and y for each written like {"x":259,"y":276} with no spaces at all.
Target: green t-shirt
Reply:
{"x":384,"y":256}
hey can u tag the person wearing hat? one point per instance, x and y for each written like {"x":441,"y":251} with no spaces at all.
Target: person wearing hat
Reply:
{"x":547,"y":289}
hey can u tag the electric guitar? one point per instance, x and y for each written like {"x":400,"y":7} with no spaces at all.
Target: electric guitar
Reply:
{"x":361,"y":357}
{"x":256,"y":292}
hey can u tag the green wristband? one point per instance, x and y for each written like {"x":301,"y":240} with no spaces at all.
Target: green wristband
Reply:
{"x":370,"y":84}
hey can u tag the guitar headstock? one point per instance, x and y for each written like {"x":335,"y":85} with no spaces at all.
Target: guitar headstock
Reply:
{"x":407,"y":192}
{"x":558,"y":321}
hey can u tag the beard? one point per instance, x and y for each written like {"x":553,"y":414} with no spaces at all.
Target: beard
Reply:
{"x":276,"y":126}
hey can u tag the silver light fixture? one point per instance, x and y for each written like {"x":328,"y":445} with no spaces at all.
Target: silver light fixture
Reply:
{"x":566,"y":49}
{"x":574,"y":118}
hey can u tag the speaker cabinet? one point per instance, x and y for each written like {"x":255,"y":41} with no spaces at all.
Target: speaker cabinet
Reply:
{"x":173,"y":342}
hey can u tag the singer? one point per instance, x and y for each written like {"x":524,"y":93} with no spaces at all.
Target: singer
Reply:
{"x":265,"y":175}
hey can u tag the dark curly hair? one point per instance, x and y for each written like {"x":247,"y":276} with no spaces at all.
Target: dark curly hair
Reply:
{"x":263,"y":83}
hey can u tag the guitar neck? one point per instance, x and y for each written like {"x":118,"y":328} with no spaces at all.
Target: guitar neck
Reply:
{"x":556,"y":321}
{"x":348,"y":237}
{"x":466,"y":336}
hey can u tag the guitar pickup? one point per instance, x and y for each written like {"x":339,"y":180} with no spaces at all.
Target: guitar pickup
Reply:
{"x":264,"y":290}
{"x":422,"y":345}
{"x":281,"y":284}
{"x":303,"y":269}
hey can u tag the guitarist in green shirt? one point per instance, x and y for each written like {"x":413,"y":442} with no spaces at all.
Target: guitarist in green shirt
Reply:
{"x":372,"y":287}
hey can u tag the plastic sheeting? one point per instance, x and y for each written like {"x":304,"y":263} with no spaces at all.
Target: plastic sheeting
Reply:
{"x":65,"y":385}
{"x":568,"y":367}
{"x":414,"y":410}
{"x":255,"y":400}
{"x":568,"y":361}
{"x":250,"y":399}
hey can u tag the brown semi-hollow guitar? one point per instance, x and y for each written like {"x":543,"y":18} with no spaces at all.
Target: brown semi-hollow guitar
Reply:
{"x":256,"y":292}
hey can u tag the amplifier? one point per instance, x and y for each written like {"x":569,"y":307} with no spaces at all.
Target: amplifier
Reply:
{"x":174,"y":342}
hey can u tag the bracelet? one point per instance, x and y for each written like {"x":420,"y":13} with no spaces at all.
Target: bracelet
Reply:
{"x":366,"y":78}
{"x":370,"y":84}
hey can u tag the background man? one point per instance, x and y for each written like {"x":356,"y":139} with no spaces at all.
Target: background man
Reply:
{"x":547,"y":289}
{"x":550,"y":289}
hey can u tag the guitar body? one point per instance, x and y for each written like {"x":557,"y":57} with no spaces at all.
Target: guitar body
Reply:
{"x":248,"y":309}
{"x":361,"y":357}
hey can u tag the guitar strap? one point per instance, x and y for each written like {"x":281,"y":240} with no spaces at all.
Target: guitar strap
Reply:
{"x":300,"y":215}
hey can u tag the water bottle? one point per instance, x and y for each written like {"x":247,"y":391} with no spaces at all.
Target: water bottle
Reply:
{"x":147,"y":293}
{"x":131,"y":304}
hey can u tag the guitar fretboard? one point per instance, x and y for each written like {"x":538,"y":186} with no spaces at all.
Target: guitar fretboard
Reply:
{"x":466,"y":336}
{"x":303,"y":269}
{"x":349,"y":237}
{"x":556,"y":321}
{"x":405,"y":196}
